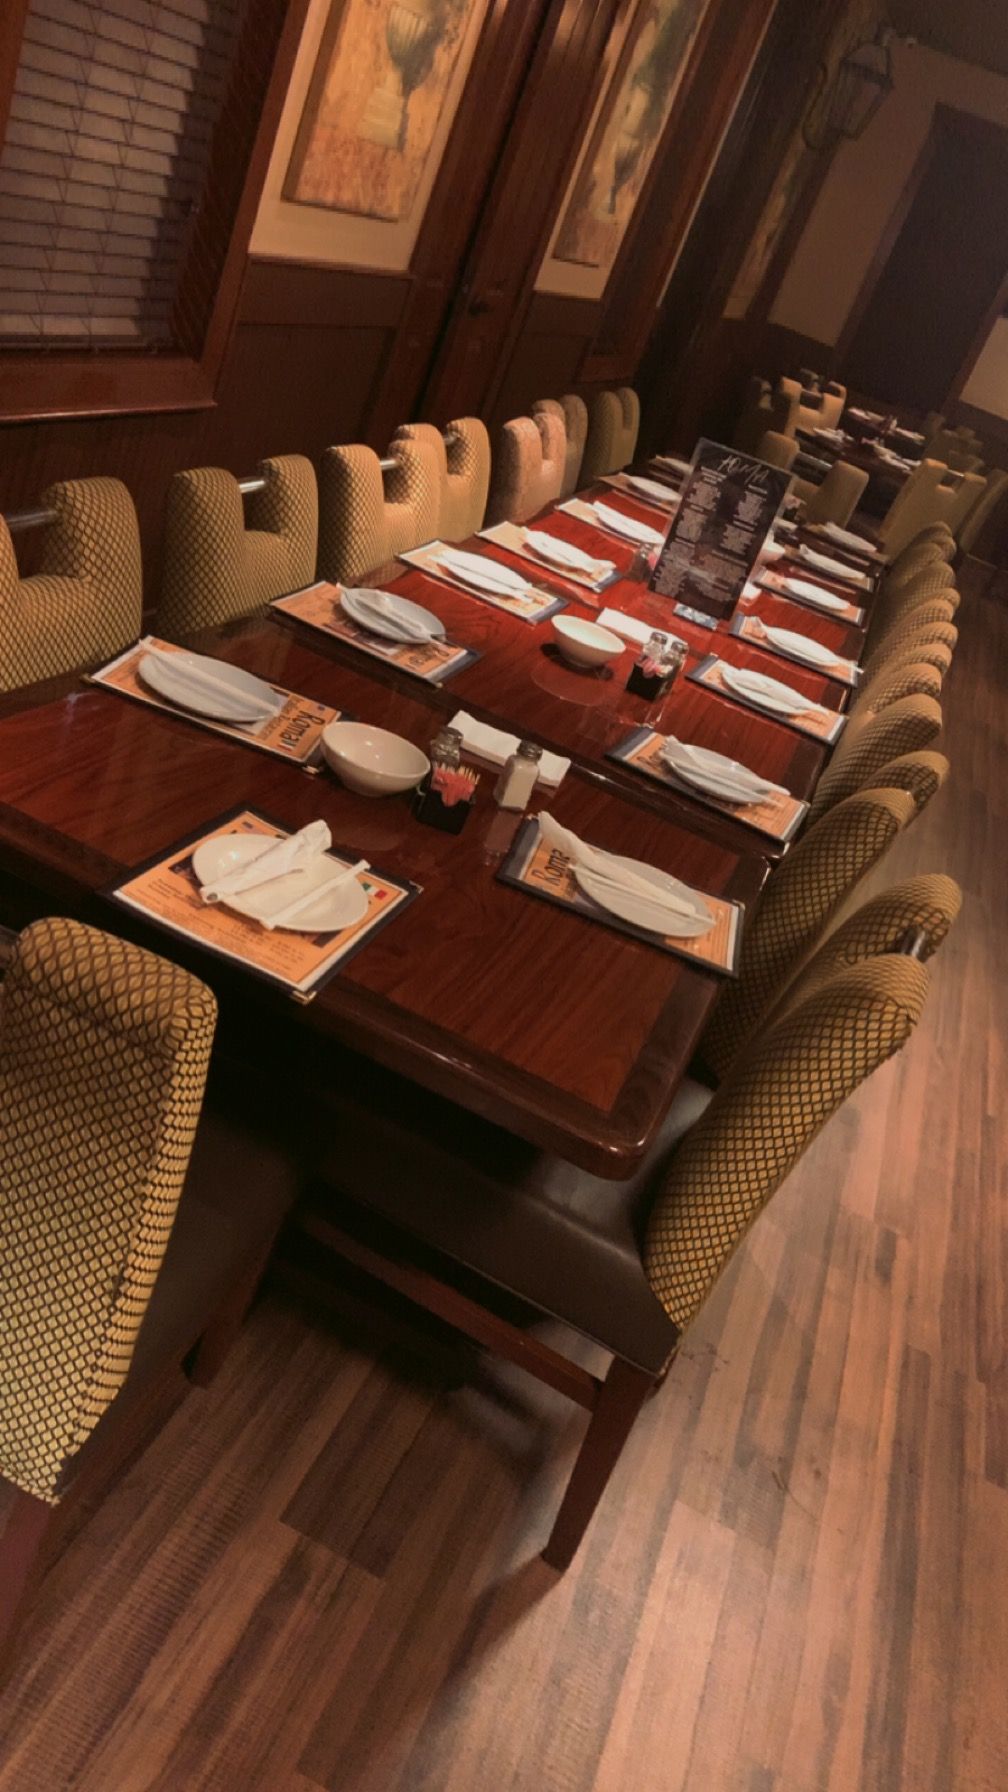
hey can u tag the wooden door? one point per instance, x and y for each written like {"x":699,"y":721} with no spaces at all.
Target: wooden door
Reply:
{"x":921,"y":309}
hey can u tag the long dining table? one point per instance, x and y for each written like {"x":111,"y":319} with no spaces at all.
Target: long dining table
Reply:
{"x":566,"y":1032}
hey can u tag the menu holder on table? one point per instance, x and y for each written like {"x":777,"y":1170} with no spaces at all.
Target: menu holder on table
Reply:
{"x":165,"y":890}
{"x":294,"y":733}
{"x":729,"y":505}
{"x":318,"y":606}
{"x":753,"y":630}
{"x":777,"y":817}
{"x":777,"y":583}
{"x":512,"y":537}
{"x":544,"y":871}
{"x":536,"y":605}
{"x":819,"y":723}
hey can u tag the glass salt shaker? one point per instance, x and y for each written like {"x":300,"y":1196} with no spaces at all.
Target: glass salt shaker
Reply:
{"x":517,"y":780}
{"x":646,"y":673}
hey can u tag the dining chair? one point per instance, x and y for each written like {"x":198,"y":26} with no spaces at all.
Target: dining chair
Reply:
{"x":777,"y":450}
{"x":528,"y":468}
{"x":222,"y":561}
{"x":763,"y":409}
{"x":919,"y":635}
{"x":367,"y":516}
{"x":906,"y":726}
{"x":613,"y":427}
{"x":992,"y":499}
{"x":921,"y":775}
{"x":463,"y":1218}
{"x":134,"y":1230}
{"x":929,"y":612}
{"x":912,"y":582}
{"x":920,"y":501}
{"x":895,"y":678}
{"x":925,"y":908}
{"x":836,"y":498}
{"x":462,"y":452}
{"x":84,"y":603}
{"x":820,"y":410}
{"x":803,"y":892}
{"x":914,"y":650}
{"x":926,"y":600}
{"x":574,"y":413}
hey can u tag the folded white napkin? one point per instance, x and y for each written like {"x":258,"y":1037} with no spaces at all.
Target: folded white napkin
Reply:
{"x":836,"y":569}
{"x":652,"y":488}
{"x":627,"y":626}
{"x":814,"y":594}
{"x":275,"y":860}
{"x":680,"y":906}
{"x":496,"y":746}
{"x":673,"y":462}
{"x":846,"y":538}
{"x":491,"y":574}
{"x":386,"y":608}
{"x":757,"y":686}
{"x":717,"y":770}
{"x":627,"y":526}
{"x":564,"y":553}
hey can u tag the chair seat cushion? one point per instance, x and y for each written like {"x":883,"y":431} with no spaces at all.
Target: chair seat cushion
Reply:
{"x":529,"y":1222}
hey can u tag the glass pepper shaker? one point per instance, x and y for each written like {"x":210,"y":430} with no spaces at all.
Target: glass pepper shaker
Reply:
{"x":518,"y":777}
{"x":647,"y":673}
{"x":441,"y":801}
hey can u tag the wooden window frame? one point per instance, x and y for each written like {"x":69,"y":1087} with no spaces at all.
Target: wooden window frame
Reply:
{"x":58,"y":383}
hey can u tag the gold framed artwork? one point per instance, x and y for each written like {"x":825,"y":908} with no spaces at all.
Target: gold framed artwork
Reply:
{"x":630,"y":118}
{"x":370,"y":106}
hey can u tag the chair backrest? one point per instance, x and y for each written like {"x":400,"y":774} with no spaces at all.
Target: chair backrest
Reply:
{"x":754,"y":418}
{"x":528,"y":467}
{"x":962,"y":498}
{"x":908,"y":619}
{"x":613,"y":426}
{"x":926,"y":906}
{"x":217,"y":567}
{"x":895,"y":678}
{"x":573,"y":412}
{"x":921,"y":637}
{"x":837,"y":498}
{"x":804,"y":891}
{"x":994,"y":493}
{"x":777,"y":450}
{"x":905,"y":726}
{"x":918,"y":503}
{"x":779,"y":1094}
{"x":913,"y":652}
{"x":920,"y":774}
{"x":84,"y":604}
{"x":103,"y":1056}
{"x":463,"y":469}
{"x":788,"y":394}
{"x":366,"y":516}
{"x":917,"y":579}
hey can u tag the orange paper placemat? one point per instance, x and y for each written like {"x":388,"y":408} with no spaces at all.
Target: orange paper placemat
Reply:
{"x":777,"y":817}
{"x":542,"y":871}
{"x":294,"y":733}
{"x":166,"y":891}
{"x":319,"y":607}
{"x":820,"y":724}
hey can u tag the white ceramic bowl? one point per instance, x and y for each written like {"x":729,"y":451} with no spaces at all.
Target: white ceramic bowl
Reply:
{"x":585,"y":643}
{"x":372,"y":761}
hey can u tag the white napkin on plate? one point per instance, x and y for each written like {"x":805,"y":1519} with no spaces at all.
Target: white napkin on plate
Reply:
{"x":755,"y":685}
{"x":564,"y":553}
{"x":652,"y":488}
{"x":275,"y":860}
{"x":847,"y":539}
{"x":481,"y":570}
{"x":628,"y":626}
{"x":814,"y":594}
{"x":702,"y":765}
{"x":673,"y":462}
{"x":496,"y":746}
{"x":387,"y":608}
{"x":835,"y":569}
{"x":627,"y":526}
{"x":604,"y":864}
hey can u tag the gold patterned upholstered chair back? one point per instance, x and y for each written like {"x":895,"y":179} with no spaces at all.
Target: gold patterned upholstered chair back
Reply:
{"x":528,"y":468}
{"x":462,"y":454}
{"x":574,"y":413}
{"x":895,"y":678}
{"x":908,"y":725}
{"x":803,"y":893}
{"x":103,"y":1056}
{"x":906,"y":620}
{"x":925,"y":906}
{"x":613,"y":428}
{"x":974,"y":533}
{"x":934,"y":641}
{"x":84,"y":603}
{"x":920,"y":774}
{"x":221,"y":560}
{"x":779,"y":1093}
{"x":777,"y":450}
{"x":836,"y":498}
{"x":367,"y":517}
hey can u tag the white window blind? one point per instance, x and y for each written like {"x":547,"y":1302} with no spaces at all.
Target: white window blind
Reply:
{"x":103,"y":165}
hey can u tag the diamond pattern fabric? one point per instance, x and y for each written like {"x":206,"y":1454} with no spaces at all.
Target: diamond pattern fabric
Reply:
{"x":804,"y":891}
{"x":463,"y":469}
{"x":904,"y":726}
{"x":929,"y":904}
{"x":781,"y":1091}
{"x":367,"y":517}
{"x":896,"y":678}
{"x":922,"y":774}
{"x":104,"y":1050}
{"x":573,"y":413}
{"x":528,"y":468}
{"x":84,"y":604}
{"x":217,"y":569}
{"x":918,"y":635}
{"x":613,"y":427}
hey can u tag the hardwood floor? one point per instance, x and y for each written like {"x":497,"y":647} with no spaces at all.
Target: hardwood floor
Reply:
{"x":324,"y":1572}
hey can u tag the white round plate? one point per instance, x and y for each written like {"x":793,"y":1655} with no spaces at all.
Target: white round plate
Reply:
{"x":483,"y":571}
{"x":628,"y":527}
{"x":233,"y":696}
{"x":329,"y":914}
{"x":814,"y":594}
{"x":800,"y":645}
{"x":711,"y":771}
{"x":766,"y":691}
{"x":381,"y":620}
{"x":557,"y":552}
{"x":637,"y":910}
{"x":651,"y":488}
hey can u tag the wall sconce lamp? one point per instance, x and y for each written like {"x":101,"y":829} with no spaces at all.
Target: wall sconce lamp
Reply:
{"x":862,"y":82}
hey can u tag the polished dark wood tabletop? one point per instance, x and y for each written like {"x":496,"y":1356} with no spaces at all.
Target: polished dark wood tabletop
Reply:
{"x":564,"y":1031}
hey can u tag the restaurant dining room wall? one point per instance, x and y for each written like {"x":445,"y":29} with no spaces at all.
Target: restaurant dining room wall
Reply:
{"x":341,"y":336}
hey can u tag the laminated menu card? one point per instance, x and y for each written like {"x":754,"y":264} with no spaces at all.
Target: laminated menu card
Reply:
{"x":729,"y":505}
{"x":319,"y":607}
{"x":777,"y":816}
{"x":166,"y":891}
{"x":542,"y":870}
{"x":294,"y":733}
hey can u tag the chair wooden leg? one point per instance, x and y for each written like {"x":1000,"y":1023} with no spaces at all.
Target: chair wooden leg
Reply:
{"x":208,"y":1354}
{"x":619,"y":1401}
{"x":23,"y":1557}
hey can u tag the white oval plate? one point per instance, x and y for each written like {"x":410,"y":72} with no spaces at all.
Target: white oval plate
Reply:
{"x":328,"y":915}
{"x":715,"y":772}
{"x":627,"y":526}
{"x":814,"y":594}
{"x":800,"y":645}
{"x":637,"y":910}
{"x":483,"y":571}
{"x":241,"y":697}
{"x":767,"y":691}
{"x":355,"y":603}
{"x":561,"y":553}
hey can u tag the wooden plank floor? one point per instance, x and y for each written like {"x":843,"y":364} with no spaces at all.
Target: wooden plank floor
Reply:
{"x":324,"y":1572}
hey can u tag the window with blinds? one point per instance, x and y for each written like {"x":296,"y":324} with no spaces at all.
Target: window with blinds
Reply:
{"x":104,"y":164}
